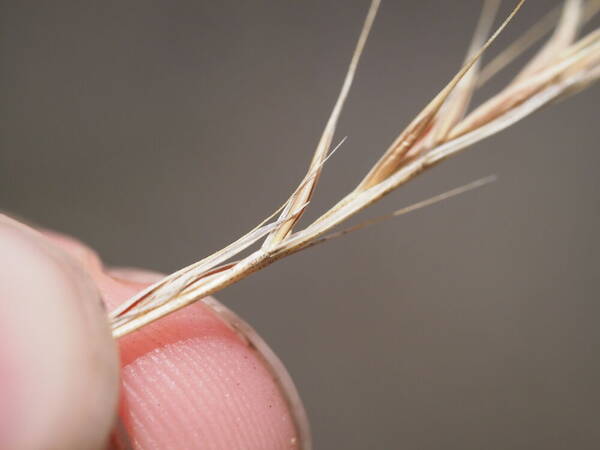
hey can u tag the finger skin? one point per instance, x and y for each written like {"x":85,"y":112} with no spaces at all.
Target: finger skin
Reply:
{"x":191,"y":380}
{"x":59,"y":366}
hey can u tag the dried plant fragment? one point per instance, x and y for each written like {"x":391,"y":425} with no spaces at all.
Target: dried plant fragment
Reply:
{"x":563,"y":66}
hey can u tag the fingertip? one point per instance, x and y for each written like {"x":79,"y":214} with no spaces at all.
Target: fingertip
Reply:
{"x":60,"y":380}
{"x":202,"y":378}
{"x":192,"y":380}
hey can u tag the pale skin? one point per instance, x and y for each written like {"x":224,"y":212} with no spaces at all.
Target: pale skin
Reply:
{"x":187,"y":381}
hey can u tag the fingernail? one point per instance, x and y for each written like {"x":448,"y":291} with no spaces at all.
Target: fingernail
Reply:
{"x":282,"y":378}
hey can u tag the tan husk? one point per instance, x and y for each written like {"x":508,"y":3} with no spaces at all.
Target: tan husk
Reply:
{"x":563,"y":66}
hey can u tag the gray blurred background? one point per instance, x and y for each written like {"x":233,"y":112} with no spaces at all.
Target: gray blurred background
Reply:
{"x":158,"y":131}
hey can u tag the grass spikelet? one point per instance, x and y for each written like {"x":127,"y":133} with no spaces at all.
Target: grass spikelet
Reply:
{"x":564,"y":65}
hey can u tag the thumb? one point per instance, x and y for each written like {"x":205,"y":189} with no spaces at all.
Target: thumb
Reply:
{"x":58,"y":362}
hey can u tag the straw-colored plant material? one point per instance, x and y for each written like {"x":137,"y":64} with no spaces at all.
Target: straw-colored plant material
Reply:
{"x":564,"y":65}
